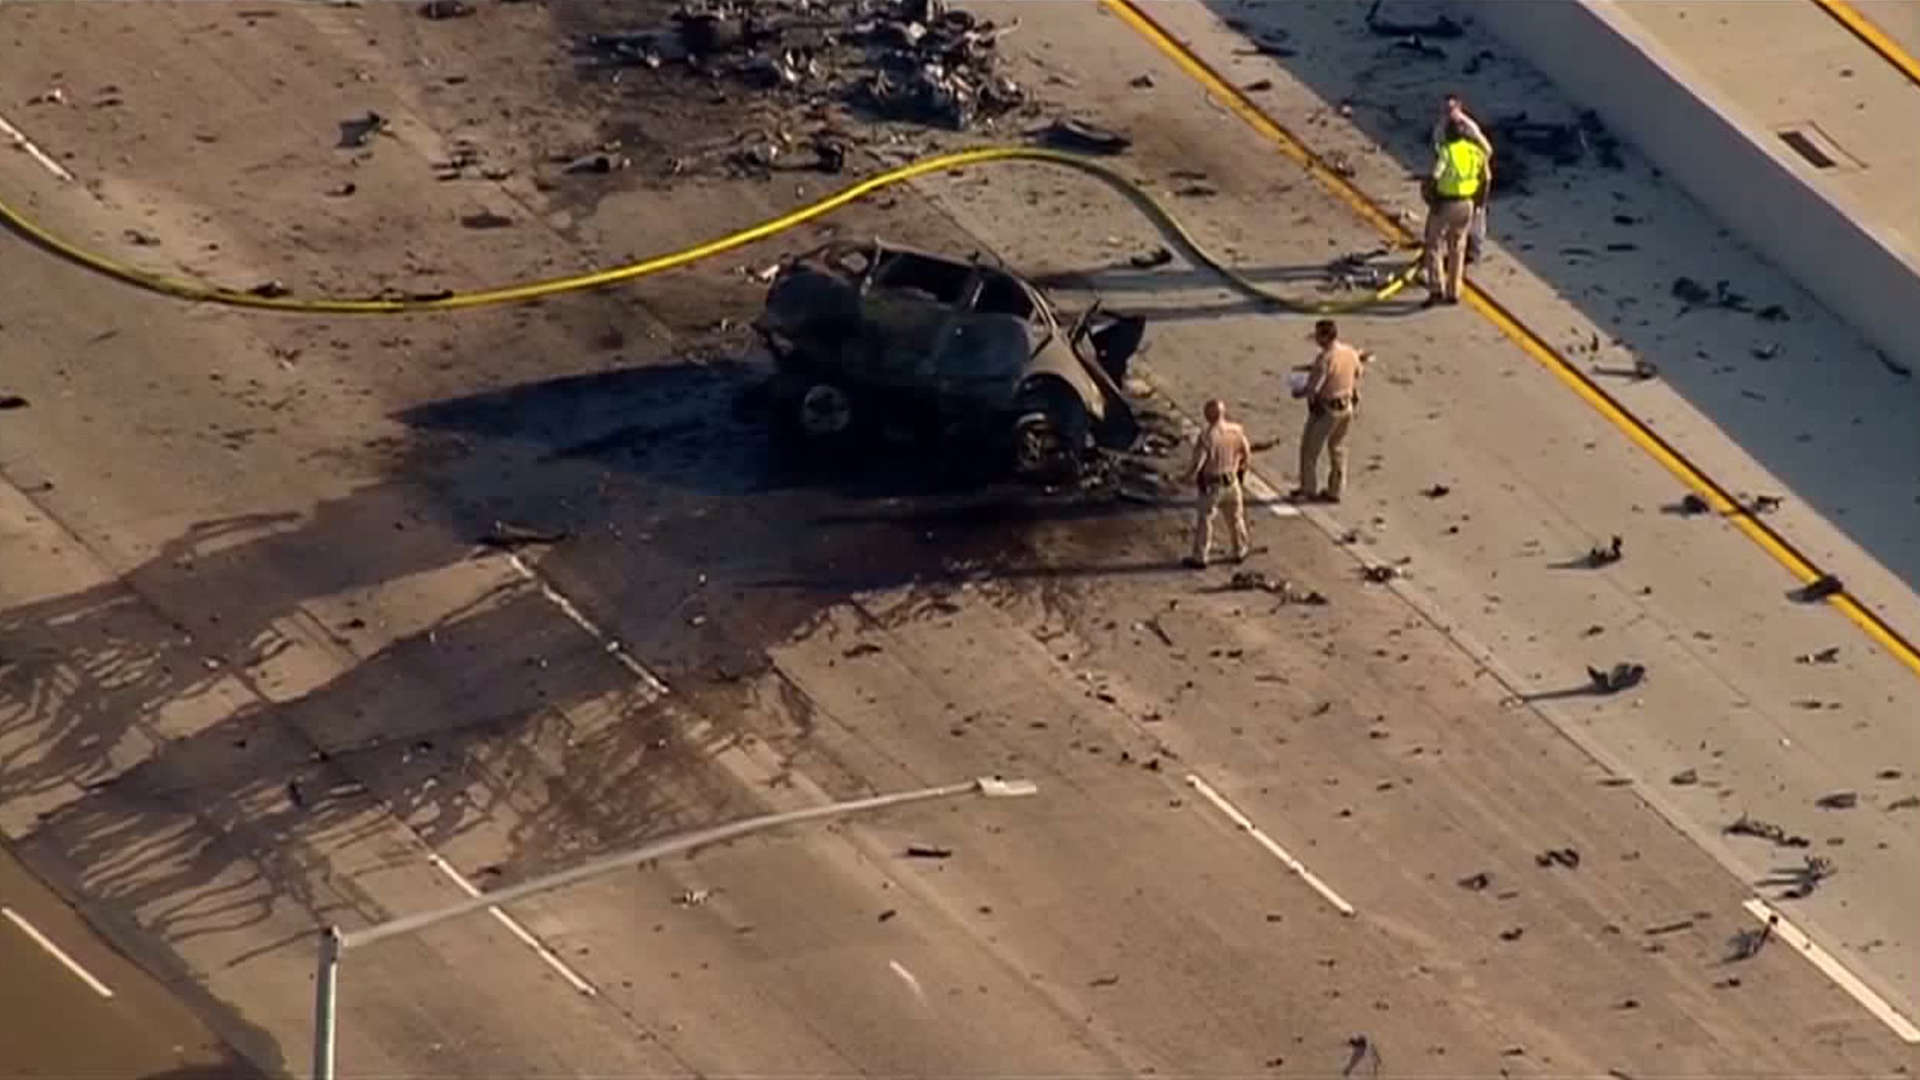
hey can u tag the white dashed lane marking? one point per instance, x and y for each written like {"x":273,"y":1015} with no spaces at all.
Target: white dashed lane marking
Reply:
{"x":55,"y":951}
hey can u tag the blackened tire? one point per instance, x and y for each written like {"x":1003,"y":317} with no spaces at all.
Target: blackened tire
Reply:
{"x":825,"y":412}
{"x":1050,"y":430}
{"x":805,"y":409}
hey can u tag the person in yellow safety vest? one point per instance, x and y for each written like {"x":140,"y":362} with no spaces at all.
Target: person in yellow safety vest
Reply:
{"x":1452,"y":108}
{"x":1460,"y":176}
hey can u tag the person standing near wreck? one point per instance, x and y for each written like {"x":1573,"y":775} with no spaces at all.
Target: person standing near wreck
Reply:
{"x":1460,"y":176}
{"x":1332,"y":393}
{"x":1221,"y":454}
{"x":1454,"y":111}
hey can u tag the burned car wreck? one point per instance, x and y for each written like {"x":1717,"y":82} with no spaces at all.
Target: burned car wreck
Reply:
{"x":871,"y":340}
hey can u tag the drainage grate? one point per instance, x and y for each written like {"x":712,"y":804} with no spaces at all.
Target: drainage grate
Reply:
{"x":1815,"y":147}
{"x":1808,"y":149}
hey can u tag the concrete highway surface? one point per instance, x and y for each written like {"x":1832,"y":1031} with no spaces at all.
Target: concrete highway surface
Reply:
{"x":75,"y":1007}
{"x":259,"y":674}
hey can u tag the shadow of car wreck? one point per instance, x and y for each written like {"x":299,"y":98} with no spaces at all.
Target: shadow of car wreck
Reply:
{"x":705,"y":427}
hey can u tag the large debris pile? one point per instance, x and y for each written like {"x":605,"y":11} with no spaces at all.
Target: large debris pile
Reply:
{"x":902,"y":59}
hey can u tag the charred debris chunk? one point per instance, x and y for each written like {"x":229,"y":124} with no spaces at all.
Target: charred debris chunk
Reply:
{"x":1380,"y":26}
{"x":1622,"y":676}
{"x":1613,"y":552}
{"x":1411,"y":37}
{"x":1799,"y":882}
{"x":902,"y":59}
{"x":1518,"y":139}
{"x":1766,"y":830}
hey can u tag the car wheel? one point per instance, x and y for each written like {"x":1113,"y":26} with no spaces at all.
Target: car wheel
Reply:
{"x":1035,"y":444}
{"x":826,"y":411}
{"x":1050,"y":432}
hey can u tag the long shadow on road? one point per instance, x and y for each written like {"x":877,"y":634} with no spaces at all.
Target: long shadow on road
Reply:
{"x":200,"y":747}
{"x":229,"y":1070}
{"x":126,"y":729}
{"x":1155,"y":292}
{"x":162,"y":774}
{"x":667,"y":455}
{"x":695,"y":427}
{"x":168,"y":683}
{"x":1804,"y":397}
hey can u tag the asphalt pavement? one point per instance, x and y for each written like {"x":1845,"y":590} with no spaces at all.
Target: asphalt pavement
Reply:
{"x":264,"y":674}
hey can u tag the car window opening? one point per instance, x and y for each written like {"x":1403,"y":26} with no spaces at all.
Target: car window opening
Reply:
{"x":999,"y":295}
{"x":943,"y":281}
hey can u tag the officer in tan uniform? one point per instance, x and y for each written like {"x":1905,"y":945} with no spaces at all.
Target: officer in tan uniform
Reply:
{"x":1220,"y":458}
{"x":1332,"y":393}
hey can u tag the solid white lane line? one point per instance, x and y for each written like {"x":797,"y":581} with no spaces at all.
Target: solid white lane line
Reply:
{"x":21,"y":142}
{"x":572,"y":611}
{"x":513,"y":926}
{"x":1234,"y":815}
{"x":1833,"y":969}
{"x":56,"y":952}
{"x":1276,"y":504}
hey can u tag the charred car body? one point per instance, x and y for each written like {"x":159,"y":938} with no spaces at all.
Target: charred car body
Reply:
{"x":870,"y":338}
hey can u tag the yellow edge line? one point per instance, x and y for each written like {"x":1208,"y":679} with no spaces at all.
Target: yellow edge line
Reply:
{"x":1529,"y":342}
{"x":1889,"y":50}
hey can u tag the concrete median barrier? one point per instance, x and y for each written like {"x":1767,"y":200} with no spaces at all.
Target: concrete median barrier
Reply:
{"x":1867,"y":276}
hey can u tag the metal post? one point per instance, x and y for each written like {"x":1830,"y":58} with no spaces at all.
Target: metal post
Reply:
{"x":989,"y":787}
{"x":334,"y":941}
{"x":325,"y":984}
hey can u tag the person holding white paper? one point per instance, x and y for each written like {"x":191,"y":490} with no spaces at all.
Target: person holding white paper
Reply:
{"x":1331,"y":388}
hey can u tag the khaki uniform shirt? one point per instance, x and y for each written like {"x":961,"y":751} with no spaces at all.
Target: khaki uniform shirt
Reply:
{"x":1222,"y":450}
{"x":1335,"y":375}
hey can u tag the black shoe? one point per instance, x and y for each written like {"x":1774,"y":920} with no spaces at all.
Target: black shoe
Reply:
{"x":1192,"y":563}
{"x":1452,"y":301}
{"x":1433,"y":300}
{"x":1330,"y":497}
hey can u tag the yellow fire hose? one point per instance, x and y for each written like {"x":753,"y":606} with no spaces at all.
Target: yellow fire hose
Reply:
{"x":1170,"y":227}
